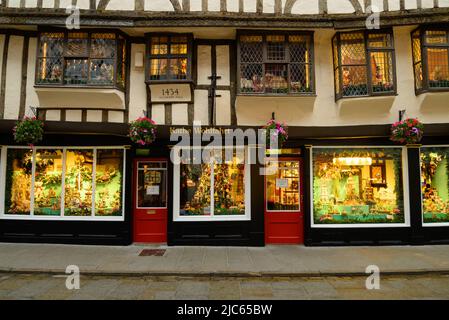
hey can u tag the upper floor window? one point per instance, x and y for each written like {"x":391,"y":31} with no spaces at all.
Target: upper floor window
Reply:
{"x":364,"y":63}
{"x":431,"y":59}
{"x":169,"y":57}
{"x":81,"y":59}
{"x":276,"y":63}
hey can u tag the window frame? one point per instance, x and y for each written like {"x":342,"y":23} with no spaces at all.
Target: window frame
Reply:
{"x":63,"y":57}
{"x":61,"y":216}
{"x":168,"y":56}
{"x":286,"y":61}
{"x":368,"y":50}
{"x":176,"y":199}
{"x":405,"y":193}
{"x":424,"y":61}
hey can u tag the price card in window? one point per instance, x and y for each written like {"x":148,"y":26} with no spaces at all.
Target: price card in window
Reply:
{"x":153,"y":190}
{"x":281,"y":183}
{"x":177,"y":92}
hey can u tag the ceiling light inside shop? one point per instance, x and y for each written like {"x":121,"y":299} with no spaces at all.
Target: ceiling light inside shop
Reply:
{"x":353,"y":161}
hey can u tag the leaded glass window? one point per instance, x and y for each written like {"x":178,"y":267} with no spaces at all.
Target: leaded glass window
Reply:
{"x":276,"y":63}
{"x":431,"y":59}
{"x":169,"y":57}
{"x":364,"y":63}
{"x":81,"y":59}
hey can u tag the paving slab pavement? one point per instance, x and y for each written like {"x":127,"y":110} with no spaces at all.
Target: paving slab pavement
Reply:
{"x":227,"y":261}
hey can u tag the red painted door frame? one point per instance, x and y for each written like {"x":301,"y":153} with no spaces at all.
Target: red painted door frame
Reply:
{"x":150,"y":224}
{"x":285,"y":227}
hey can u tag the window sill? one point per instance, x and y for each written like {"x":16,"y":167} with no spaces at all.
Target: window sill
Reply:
{"x":432,"y":90}
{"x":383,"y":95}
{"x":67,"y":97}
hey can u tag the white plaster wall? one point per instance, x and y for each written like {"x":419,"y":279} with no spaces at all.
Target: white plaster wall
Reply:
{"x":13,"y":77}
{"x":94,"y":115}
{"x":48,"y":4}
{"x":223,"y":108}
{"x":2,"y":47}
{"x":339,"y":6}
{"x":73,"y":115}
{"x":115,"y":116}
{"x":31,"y":96}
{"x":53,"y":115}
{"x":306,"y":7}
{"x":204,"y":64}
{"x":120,"y":5}
{"x":158,"y":5}
{"x":179,"y":114}
{"x":158,"y":113}
{"x":213,"y":5}
{"x":138,"y":94}
{"x":201,"y":107}
{"x":223,"y":67}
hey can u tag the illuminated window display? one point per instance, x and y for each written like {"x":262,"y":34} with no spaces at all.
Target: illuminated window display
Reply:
{"x":68,"y":184}
{"x":78,"y":183}
{"x":435,"y":184}
{"x":18,"y":181}
{"x":357,"y":186}
{"x":108,"y":182}
{"x":47,"y":183}
{"x":282,"y":190}
{"x":213,"y":189}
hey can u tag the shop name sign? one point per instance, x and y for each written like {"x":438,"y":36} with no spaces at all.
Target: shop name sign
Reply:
{"x":176,"y":92}
{"x":200,"y":130}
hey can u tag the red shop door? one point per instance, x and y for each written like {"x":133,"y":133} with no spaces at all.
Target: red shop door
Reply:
{"x":150,"y":200}
{"x":283,"y":203}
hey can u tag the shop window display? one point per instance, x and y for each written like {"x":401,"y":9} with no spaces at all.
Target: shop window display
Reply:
{"x":108,"y":182}
{"x":40,"y":183}
{"x":18,"y":181}
{"x":78,"y":183}
{"x":282,"y":190}
{"x":435,"y":184}
{"x":357,"y":186}
{"x":213,"y":189}
{"x":47,"y":183}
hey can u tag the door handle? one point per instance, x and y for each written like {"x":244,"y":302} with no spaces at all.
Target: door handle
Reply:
{"x":151,"y":212}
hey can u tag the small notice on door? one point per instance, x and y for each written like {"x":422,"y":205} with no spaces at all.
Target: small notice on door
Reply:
{"x":281,"y":183}
{"x":152,"y":190}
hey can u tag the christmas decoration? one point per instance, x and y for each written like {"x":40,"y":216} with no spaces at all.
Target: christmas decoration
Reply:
{"x":29,"y":130}
{"x":142,"y":131}
{"x":407,"y":131}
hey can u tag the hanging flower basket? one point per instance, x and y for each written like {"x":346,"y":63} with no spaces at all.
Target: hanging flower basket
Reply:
{"x":29,"y":130}
{"x":142,"y":131}
{"x":409,"y":131}
{"x":276,"y":131}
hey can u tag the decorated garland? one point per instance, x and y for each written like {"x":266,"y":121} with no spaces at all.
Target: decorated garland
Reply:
{"x":408,"y":131}
{"x":142,"y":131}
{"x":276,"y":131}
{"x":29,"y":130}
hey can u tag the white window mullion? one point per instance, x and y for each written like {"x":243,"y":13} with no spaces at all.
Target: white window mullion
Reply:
{"x":64,"y":159}
{"x":33,"y":176}
{"x":94,"y":181}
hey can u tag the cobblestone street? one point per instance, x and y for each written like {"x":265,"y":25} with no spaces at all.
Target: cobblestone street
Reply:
{"x":42,"y":286}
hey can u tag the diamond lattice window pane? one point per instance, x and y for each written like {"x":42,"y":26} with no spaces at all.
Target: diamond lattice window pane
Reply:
{"x":77,"y":44}
{"x":49,"y":71}
{"x":103,"y":45}
{"x":251,"y":49}
{"x":382,"y":71}
{"x":101,"y":71}
{"x":275,"y":78}
{"x":353,"y":49}
{"x":354,"y":81}
{"x":251,"y":78}
{"x":51,"y":45}
{"x":438,"y":68}
{"x":300,"y":79}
